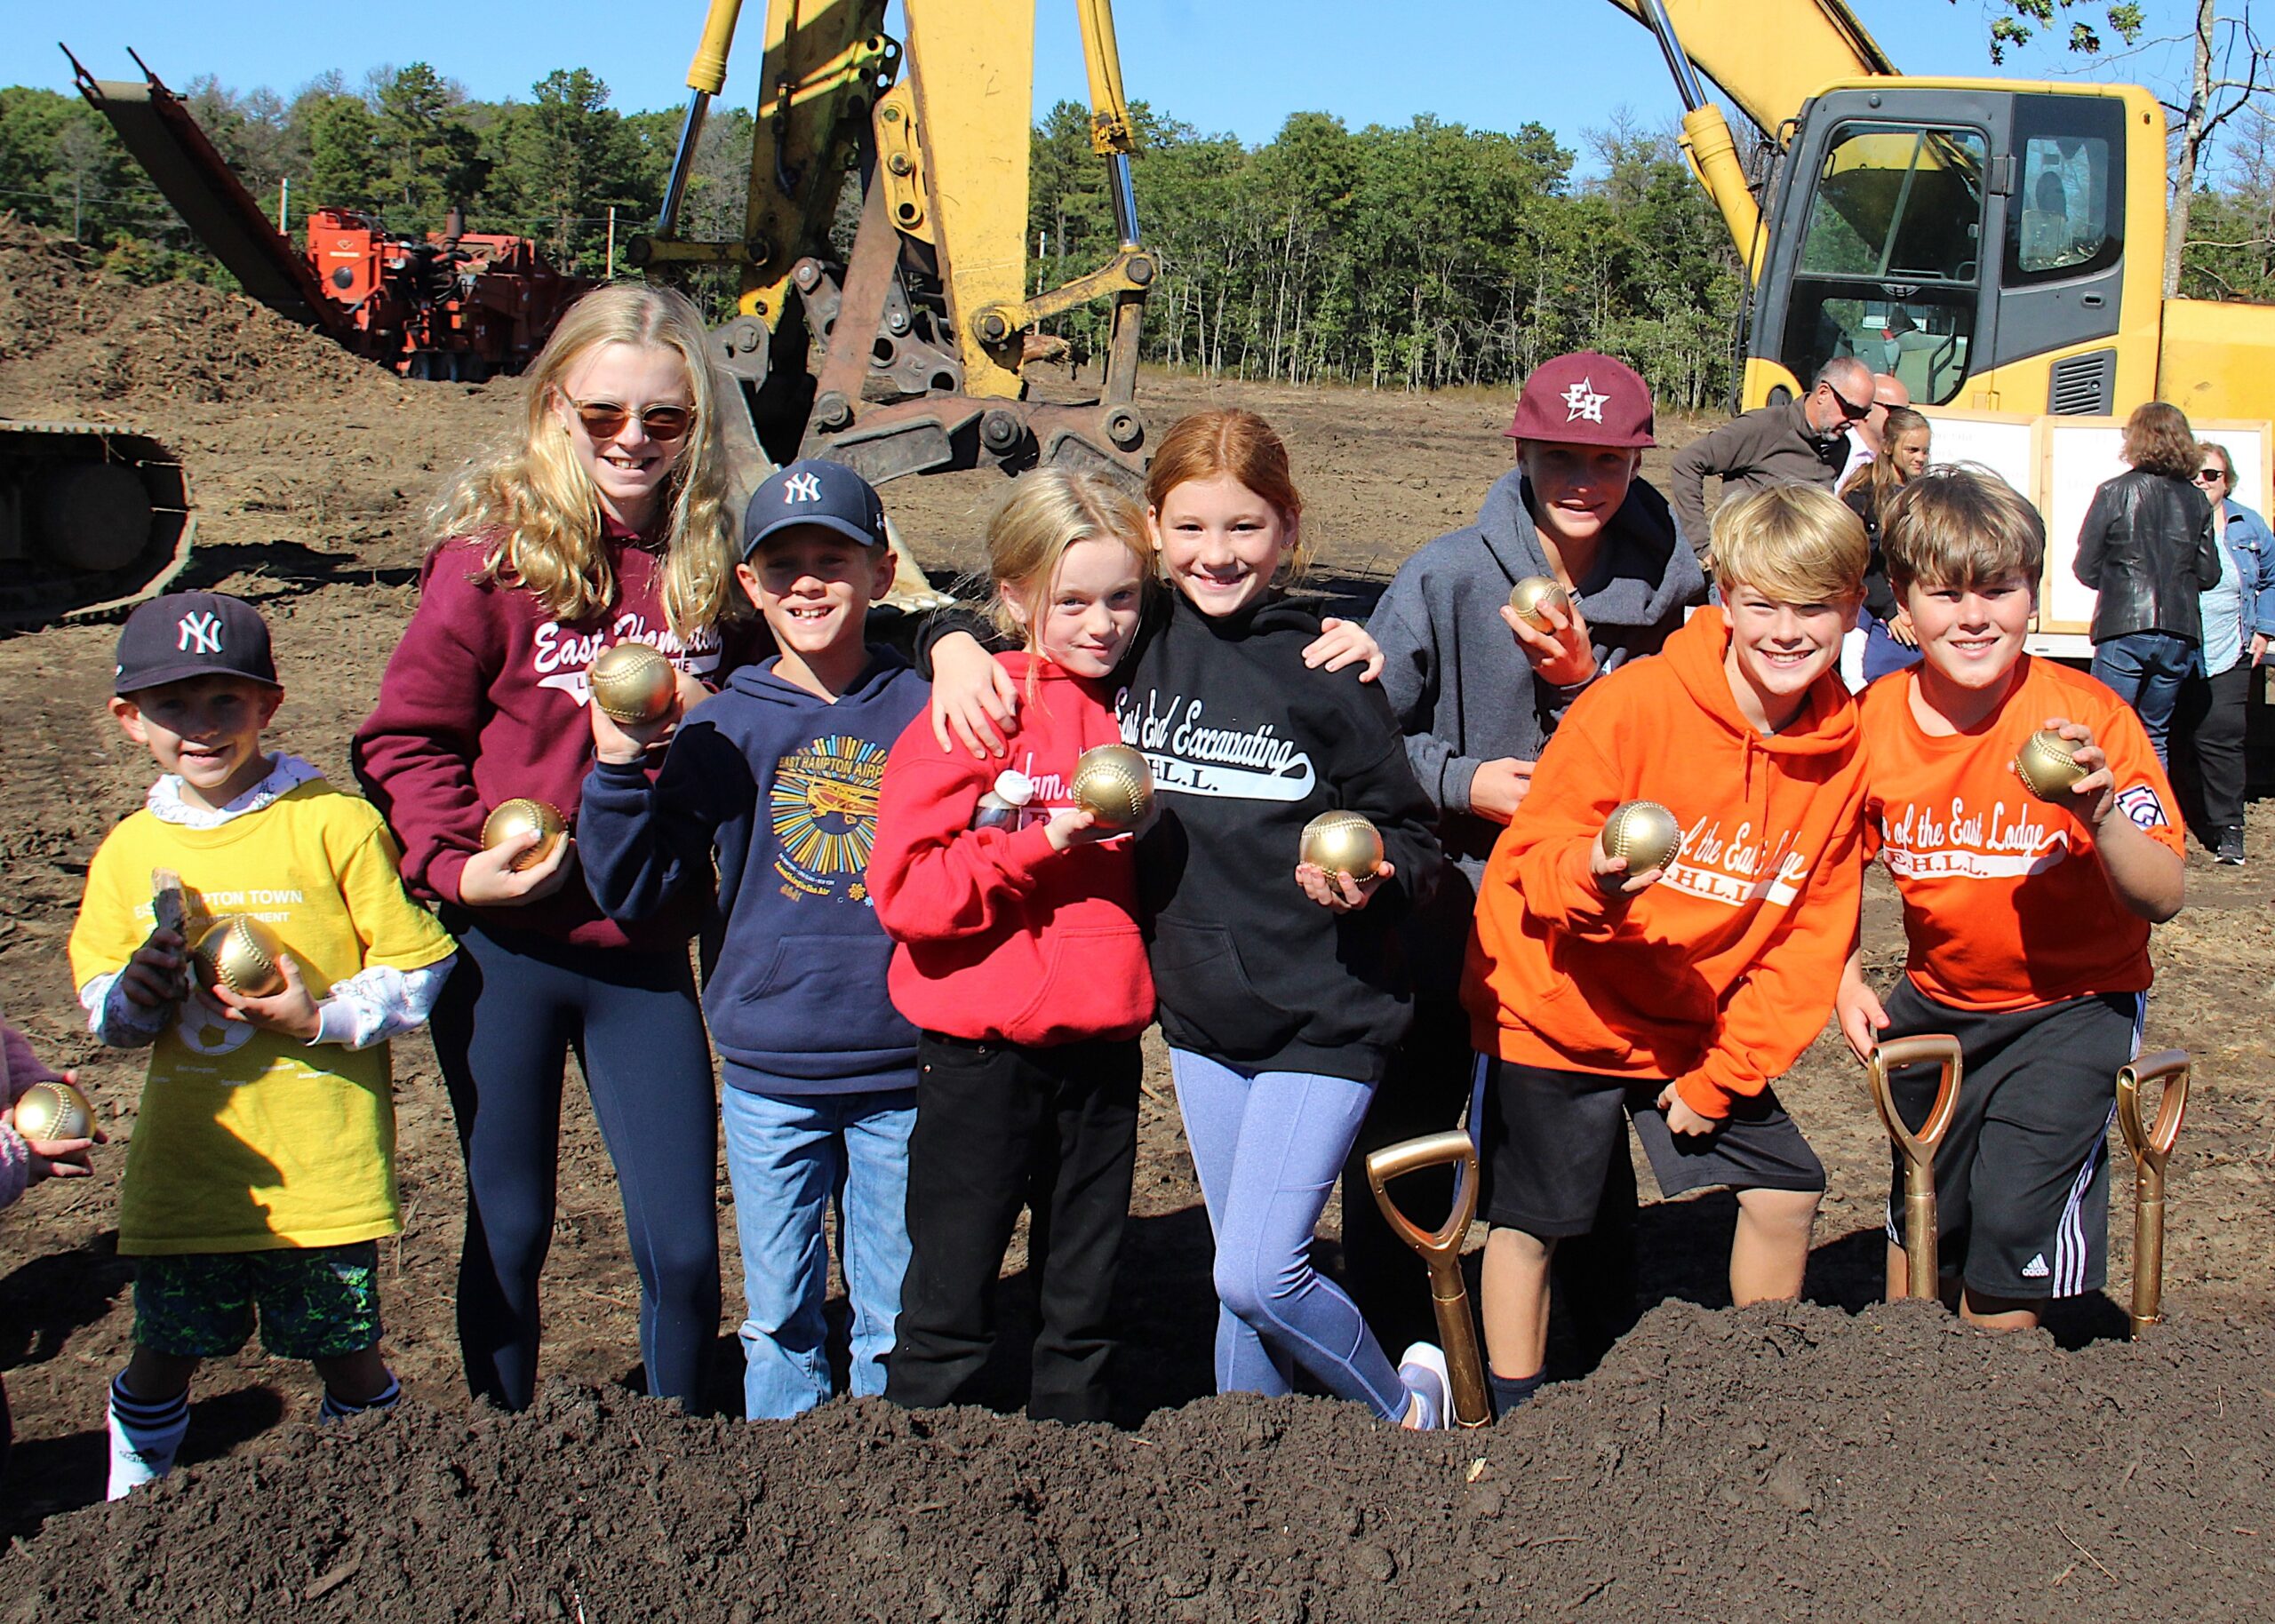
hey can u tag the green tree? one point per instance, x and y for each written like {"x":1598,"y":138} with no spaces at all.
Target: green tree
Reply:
{"x":347,"y":169}
{"x":431,"y":155}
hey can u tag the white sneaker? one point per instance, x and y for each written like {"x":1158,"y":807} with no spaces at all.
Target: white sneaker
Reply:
{"x":1421,"y":1367}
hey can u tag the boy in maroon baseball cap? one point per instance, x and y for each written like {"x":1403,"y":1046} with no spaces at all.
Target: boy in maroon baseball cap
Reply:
{"x":1478,"y":693}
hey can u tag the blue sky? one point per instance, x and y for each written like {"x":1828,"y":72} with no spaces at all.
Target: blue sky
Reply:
{"x":1237,"y":66}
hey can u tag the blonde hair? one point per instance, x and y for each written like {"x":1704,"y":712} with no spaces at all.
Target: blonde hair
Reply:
{"x":1225,"y":439}
{"x":1047,"y":511}
{"x":536,"y":509}
{"x":1794,"y":543}
{"x":1960,"y":527}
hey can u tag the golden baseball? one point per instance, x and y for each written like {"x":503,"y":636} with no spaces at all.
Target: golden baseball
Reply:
{"x":1114,"y":784}
{"x":241,"y":953}
{"x":524,"y":816}
{"x":1644,"y":832}
{"x":1534,"y":595}
{"x":54,"y":1110}
{"x":2046,"y":766}
{"x":633,"y":683}
{"x":1343,"y":843}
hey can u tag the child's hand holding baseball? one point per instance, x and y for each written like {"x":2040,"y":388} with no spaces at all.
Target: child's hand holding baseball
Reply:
{"x":1338,"y":891}
{"x":1612,"y":878}
{"x":292,"y":1012}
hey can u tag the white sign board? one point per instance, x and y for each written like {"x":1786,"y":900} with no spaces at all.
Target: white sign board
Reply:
{"x":2058,"y":463}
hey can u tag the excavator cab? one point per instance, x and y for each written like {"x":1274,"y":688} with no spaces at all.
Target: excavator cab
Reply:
{"x":1969,"y":240}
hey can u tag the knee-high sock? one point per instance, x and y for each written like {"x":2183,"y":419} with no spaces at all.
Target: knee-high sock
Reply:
{"x":144,"y":1436}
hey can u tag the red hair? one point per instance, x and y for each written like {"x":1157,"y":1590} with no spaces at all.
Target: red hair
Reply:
{"x":1225,"y":439}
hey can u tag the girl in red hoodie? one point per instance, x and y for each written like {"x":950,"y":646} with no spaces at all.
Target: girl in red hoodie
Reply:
{"x":1021,"y":962}
{"x":605,"y":520}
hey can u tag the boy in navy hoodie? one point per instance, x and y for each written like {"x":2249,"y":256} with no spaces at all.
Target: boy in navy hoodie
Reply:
{"x":775,"y":779}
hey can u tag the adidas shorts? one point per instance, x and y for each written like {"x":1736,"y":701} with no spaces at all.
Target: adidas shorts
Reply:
{"x":1546,"y":1138}
{"x":2022,"y":1179}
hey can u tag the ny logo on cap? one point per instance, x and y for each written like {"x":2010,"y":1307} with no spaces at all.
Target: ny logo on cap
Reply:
{"x":802,"y":487}
{"x":199,"y":632}
{"x":1581,"y":401}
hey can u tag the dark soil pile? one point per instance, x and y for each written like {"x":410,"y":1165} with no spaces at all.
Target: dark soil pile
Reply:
{"x":183,"y":341}
{"x":1774,"y":1463}
{"x":44,"y":290}
{"x":102,"y":342}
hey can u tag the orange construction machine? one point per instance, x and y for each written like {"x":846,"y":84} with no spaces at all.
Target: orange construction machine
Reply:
{"x":452,"y":305}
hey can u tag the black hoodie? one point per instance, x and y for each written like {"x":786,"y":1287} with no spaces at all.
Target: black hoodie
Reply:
{"x":1247,"y":746}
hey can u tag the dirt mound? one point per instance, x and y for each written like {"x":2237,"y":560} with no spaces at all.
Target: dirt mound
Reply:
{"x":183,"y":341}
{"x":100,"y":342}
{"x":1785,"y":1462}
{"x":46,"y":291}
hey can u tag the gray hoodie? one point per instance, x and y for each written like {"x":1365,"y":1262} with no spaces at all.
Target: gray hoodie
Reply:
{"x":1464,"y":693}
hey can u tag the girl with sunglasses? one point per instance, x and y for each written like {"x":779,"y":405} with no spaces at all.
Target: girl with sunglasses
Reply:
{"x":603,"y":519}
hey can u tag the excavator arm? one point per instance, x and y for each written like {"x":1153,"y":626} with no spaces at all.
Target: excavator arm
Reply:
{"x":1818,"y":41}
{"x":906,"y":356}
{"x":1768,"y":56}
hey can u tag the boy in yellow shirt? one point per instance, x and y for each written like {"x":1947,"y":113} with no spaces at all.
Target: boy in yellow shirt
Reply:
{"x":261,"y":1172}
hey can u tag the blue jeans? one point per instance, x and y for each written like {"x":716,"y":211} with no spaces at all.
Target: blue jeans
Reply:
{"x":2146,"y":669}
{"x":790,"y":1158}
{"x":1267,"y":1146}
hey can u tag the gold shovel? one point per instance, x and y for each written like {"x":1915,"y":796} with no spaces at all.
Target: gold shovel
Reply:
{"x":1440,"y":1250}
{"x":2151,"y":1148}
{"x":1918,"y":1149}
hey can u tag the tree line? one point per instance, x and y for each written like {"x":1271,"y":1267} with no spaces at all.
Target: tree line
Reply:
{"x":1419,"y":256}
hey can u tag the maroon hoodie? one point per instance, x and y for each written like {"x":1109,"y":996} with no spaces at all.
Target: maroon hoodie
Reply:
{"x":484,"y":700}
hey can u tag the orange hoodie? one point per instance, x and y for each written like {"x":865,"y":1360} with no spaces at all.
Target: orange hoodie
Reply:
{"x":1722,"y":974}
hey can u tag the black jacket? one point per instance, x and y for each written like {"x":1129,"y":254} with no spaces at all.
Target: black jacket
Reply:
{"x":1247,"y":746}
{"x":2147,"y":547}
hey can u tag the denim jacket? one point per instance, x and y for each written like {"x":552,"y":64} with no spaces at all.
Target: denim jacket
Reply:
{"x":2251,"y":545}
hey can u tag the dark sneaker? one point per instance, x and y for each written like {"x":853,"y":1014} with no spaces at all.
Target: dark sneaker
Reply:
{"x":2230,"y":850}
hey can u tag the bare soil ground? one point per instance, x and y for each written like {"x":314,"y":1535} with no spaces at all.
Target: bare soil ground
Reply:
{"x":1806,"y":1462}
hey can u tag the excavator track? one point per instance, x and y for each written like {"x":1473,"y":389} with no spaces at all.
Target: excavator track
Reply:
{"x":94,"y":518}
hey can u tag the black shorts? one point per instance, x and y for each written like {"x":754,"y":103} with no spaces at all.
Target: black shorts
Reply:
{"x":2022,"y":1179}
{"x":1546,"y":1138}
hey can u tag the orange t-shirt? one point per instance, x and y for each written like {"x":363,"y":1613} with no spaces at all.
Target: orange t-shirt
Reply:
{"x":2004,"y":904}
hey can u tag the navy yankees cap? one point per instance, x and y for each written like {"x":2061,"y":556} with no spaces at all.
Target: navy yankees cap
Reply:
{"x":193,"y":634}
{"x":812,"y":491}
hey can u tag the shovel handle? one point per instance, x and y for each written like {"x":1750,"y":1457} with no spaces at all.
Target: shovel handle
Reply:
{"x":1451,"y":1149}
{"x":1440,"y":1250}
{"x":1923,"y":1267}
{"x":1919,"y":1144}
{"x":2152,"y":1146}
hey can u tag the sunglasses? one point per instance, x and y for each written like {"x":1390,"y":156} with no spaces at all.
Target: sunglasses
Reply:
{"x":606,"y":420}
{"x":1848,"y":408}
{"x":2211,"y":476}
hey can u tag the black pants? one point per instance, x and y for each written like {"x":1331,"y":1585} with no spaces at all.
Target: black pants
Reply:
{"x":1425,"y":1092}
{"x":2207,"y":735}
{"x":999,"y":1126}
{"x":512,"y":1011}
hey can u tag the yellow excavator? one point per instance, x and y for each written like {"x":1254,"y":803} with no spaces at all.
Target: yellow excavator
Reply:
{"x":908,"y":356}
{"x":1997,"y":245}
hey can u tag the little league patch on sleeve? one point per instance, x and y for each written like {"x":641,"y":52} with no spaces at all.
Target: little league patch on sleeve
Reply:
{"x":2142,"y":805}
